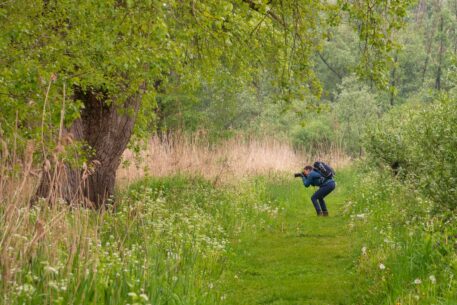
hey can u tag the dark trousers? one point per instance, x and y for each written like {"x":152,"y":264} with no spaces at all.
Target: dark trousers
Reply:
{"x":319,"y":195}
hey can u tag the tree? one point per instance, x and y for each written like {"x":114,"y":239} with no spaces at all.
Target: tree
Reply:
{"x":355,"y":107}
{"x":113,"y":56}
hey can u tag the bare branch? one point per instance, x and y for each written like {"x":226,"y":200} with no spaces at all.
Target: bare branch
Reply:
{"x":275,"y":17}
{"x":329,"y":66}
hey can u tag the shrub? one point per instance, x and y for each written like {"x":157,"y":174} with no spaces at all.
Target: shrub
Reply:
{"x":422,"y":141}
{"x":355,"y":106}
{"x":316,"y":134}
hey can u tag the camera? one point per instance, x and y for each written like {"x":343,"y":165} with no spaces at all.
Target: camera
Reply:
{"x":299,"y":175}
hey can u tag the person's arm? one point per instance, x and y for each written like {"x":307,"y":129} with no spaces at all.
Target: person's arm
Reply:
{"x":306,"y":180}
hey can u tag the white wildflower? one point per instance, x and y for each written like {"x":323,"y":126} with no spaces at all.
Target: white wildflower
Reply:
{"x":364,"y":250}
{"x":53,"y":285}
{"x":417,"y":281}
{"x":50,"y":269}
{"x":26,"y":288}
{"x":432,"y":279}
{"x":133,"y":295}
{"x":381,"y":266}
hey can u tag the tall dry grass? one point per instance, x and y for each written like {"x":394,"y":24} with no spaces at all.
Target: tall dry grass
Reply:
{"x":231,"y":159}
{"x":28,"y":232}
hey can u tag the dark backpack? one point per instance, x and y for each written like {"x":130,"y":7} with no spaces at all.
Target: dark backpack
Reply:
{"x":324,"y":169}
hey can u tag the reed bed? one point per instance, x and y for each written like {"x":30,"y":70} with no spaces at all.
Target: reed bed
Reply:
{"x":225,"y":161}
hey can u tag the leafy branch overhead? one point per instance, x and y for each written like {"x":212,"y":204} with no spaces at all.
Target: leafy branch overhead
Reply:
{"x":118,"y":45}
{"x":377,"y":22}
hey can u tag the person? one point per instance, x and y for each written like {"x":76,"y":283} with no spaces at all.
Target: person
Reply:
{"x":313,"y":177}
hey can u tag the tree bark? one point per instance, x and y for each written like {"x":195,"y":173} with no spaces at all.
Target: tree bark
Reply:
{"x":429,"y":38}
{"x":105,"y":130}
{"x":421,"y":10}
{"x":393,"y":82}
{"x":440,"y":54}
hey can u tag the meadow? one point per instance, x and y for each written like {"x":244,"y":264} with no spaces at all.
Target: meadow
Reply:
{"x":167,"y":240}
{"x":249,"y":238}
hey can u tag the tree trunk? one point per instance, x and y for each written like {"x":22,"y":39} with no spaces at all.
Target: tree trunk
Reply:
{"x":429,"y":38}
{"x":421,"y":10}
{"x":104,"y":129}
{"x":393,"y":82}
{"x":440,"y":54}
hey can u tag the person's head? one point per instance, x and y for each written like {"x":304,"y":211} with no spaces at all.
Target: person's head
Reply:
{"x":308,"y":169}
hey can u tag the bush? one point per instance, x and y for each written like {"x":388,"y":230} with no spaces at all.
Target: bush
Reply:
{"x":421,"y":141}
{"x":316,"y":134}
{"x":356,"y":105}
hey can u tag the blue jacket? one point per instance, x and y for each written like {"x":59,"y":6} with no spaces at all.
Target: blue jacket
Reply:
{"x":315,"y":179}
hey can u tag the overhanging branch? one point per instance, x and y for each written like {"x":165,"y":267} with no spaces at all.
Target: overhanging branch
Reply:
{"x":329,"y":66}
{"x":254,"y":6}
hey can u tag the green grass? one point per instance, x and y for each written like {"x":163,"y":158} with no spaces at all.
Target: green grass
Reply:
{"x":183,"y":241}
{"x":410,"y":249}
{"x":298,"y":258}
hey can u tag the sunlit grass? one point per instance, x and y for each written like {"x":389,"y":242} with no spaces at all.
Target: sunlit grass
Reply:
{"x":297,"y":257}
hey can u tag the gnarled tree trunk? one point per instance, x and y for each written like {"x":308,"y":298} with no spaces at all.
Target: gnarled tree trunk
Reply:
{"x":105,"y":129}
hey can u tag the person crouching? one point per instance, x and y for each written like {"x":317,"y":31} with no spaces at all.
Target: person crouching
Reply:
{"x":313,"y":177}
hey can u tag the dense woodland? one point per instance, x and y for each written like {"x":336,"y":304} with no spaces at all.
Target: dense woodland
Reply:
{"x":82,"y":82}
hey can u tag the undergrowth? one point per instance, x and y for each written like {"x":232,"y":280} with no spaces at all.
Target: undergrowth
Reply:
{"x":165,"y":242}
{"x":407,"y":252}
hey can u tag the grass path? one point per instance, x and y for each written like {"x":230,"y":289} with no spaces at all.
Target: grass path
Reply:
{"x":299,"y":258}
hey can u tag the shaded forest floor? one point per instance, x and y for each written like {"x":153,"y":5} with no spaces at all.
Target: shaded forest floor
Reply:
{"x":298,"y":258}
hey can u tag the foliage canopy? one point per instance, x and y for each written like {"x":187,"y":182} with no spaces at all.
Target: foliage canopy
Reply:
{"x":118,"y":46}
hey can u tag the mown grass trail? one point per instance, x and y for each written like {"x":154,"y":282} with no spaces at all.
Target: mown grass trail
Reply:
{"x":299,"y":258}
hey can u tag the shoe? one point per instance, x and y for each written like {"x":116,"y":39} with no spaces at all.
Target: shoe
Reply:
{"x":325,"y":213}
{"x":320,"y":214}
